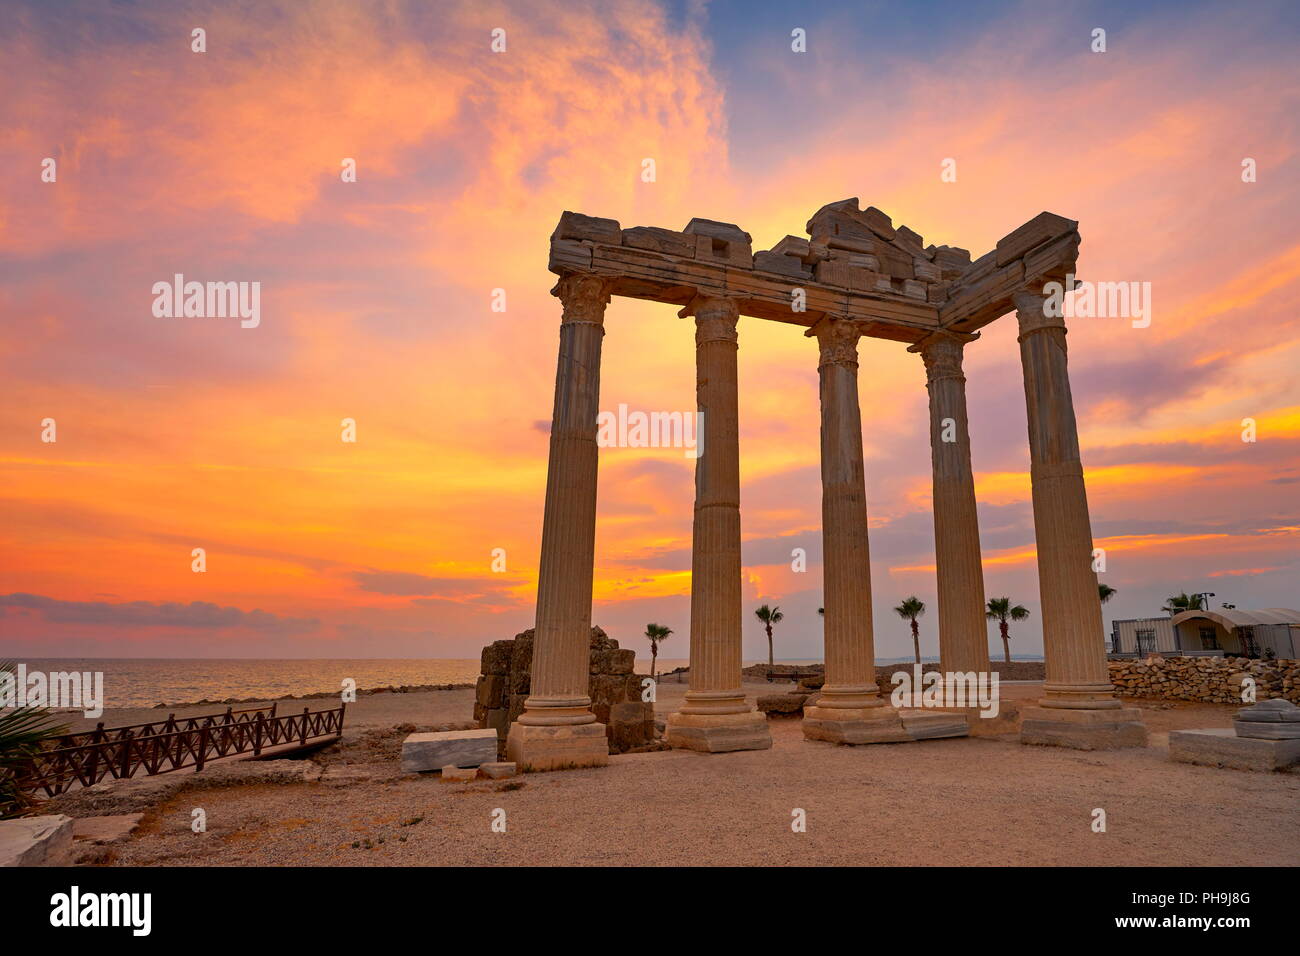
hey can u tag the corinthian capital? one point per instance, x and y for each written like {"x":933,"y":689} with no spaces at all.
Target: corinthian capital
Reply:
{"x":942,"y":354}
{"x":838,"y":339}
{"x":715,"y":318}
{"x":584,"y":297}
{"x":1034,"y":315}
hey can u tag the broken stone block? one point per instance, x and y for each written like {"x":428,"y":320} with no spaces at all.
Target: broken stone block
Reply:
{"x":951,"y":261}
{"x":926,"y":271}
{"x":906,"y":237}
{"x":1277,"y":719}
{"x":895,"y":263}
{"x":1083,"y":729}
{"x":36,"y":841}
{"x":574,"y":225}
{"x":914,"y":289}
{"x":781,"y":705}
{"x":930,"y":725}
{"x":457,"y":748}
{"x":516,"y":707}
{"x":622,"y":661}
{"x":519,"y":682}
{"x":857,"y":260}
{"x":863,"y":280}
{"x":499,"y":770}
{"x":866,"y":247}
{"x":631,"y":724}
{"x":570,"y":255}
{"x":717,"y":230}
{"x":781,"y":264}
{"x":521,"y":652}
{"x":843,"y":220}
{"x":660,"y":240}
{"x":833,"y":272}
{"x":1041,"y":229}
{"x":453,"y":774}
{"x":721,"y":241}
{"x":489,"y":690}
{"x":879,"y":223}
{"x":498,"y":720}
{"x":496,"y":658}
{"x":791,"y":246}
{"x":1221,"y":747}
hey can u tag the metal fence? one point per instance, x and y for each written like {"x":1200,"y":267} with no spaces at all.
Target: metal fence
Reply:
{"x":87,"y":757}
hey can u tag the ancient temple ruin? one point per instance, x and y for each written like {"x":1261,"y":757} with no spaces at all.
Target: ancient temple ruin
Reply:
{"x":857,"y":274}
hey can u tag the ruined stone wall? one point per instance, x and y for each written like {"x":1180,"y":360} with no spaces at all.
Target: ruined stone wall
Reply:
{"x":614,"y":688}
{"x":1209,"y":679}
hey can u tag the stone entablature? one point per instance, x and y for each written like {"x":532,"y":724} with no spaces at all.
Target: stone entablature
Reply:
{"x":855,"y":264}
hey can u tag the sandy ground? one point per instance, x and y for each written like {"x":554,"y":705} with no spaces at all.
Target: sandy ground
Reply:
{"x":973,"y":801}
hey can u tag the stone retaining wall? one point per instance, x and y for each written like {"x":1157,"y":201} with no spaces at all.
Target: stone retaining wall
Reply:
{"x":1209,"y":679}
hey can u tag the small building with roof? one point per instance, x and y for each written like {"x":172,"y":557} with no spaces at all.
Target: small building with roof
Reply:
{"x":1213,"y":632}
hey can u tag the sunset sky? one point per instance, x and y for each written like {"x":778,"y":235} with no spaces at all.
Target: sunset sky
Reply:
{"x":179,"y":433}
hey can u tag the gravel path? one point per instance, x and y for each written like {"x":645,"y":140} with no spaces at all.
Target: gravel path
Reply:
{"x":975,"y":801}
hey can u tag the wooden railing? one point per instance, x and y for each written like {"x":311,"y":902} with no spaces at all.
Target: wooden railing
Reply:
{"x":162,"y":747}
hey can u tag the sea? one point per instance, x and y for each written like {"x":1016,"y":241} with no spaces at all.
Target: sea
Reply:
{"x":148,"y":682}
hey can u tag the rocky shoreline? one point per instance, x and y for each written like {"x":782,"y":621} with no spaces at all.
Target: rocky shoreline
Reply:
{"x":322,"y":695}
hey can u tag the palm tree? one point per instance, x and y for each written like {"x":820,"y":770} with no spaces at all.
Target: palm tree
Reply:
{"x":1000,"y":610}
{"x":769,"y":616}
{"x":910,"y":610}
{"x":1105,"y":592}
{"x":656,"y":633}
{"x":1183,"y":602}
{"x":23,"y":730}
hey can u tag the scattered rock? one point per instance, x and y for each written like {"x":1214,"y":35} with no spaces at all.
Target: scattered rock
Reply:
{"x":103,"y":830}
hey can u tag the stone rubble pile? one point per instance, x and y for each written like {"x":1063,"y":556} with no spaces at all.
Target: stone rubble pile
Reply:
{"x":615,"y":689}
{"x":1208,"y":679}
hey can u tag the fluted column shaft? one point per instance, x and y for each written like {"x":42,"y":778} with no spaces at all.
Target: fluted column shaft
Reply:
{"x":1074,"y":645}
{"x":559,"y":688}
{"x":963,"y":629}
{"x":846,"y":557}
{"x":715,"y":551}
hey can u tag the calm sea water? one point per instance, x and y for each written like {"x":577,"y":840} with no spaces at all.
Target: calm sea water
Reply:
{"x":144,"y":682}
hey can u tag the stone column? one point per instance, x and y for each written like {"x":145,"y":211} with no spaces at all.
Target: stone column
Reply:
{"x":715,"y":715}
{"x":1079,"y":707}
{"x":963,"y":628}
{"x":557,"y":728}
{"x":850,"y":709}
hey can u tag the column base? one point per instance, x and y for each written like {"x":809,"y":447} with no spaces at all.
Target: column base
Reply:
{"x":719,"y":733}
{"x":1109,"y":729}
{"x":880,"y":725}
{"x":562,"y":747}
{"x":1080,"y":696}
